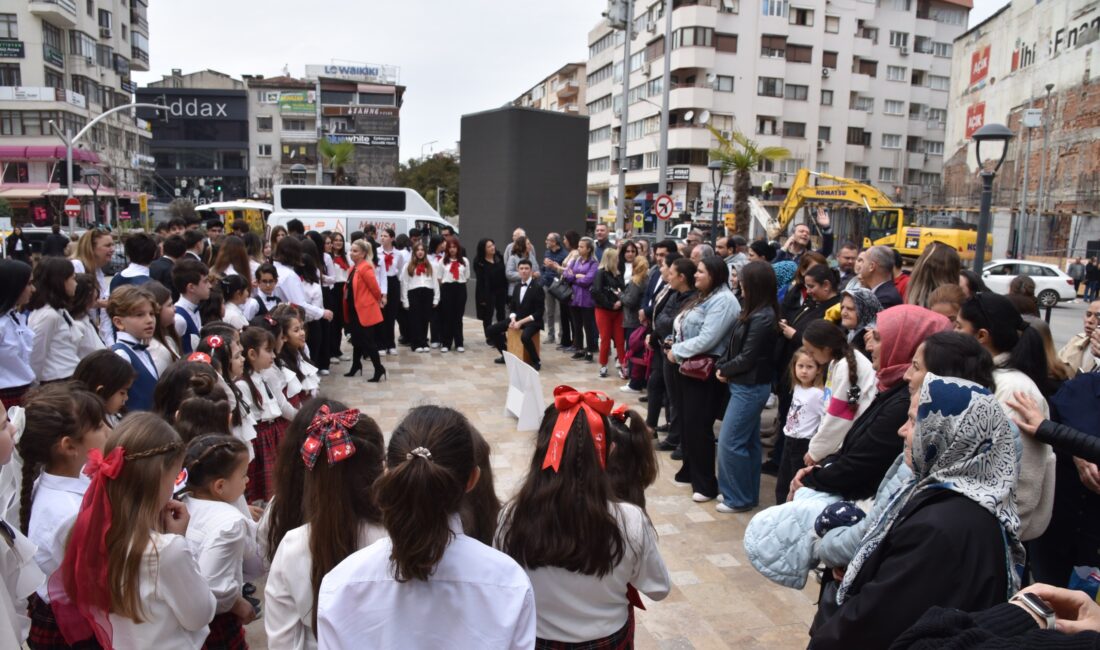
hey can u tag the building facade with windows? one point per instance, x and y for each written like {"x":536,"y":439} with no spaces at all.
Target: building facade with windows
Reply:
{"x":282,"y":130}
{"x":857,"y":89}
{"x":66,"y":62}
{"x":562,"y":91}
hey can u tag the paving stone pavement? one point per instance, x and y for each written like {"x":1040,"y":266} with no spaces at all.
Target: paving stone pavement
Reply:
{"x":717,"y":601}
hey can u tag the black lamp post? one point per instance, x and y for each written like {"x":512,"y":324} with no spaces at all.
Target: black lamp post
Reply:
{"x":93,"y":179}
{"x":988,"y":133}
{"x":715,"y":167}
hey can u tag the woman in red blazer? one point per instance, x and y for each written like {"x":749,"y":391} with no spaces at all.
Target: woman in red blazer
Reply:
{"x":363,"y":302}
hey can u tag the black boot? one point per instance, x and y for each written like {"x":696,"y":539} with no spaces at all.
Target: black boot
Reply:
{"x":356,"y":368}
{"x":379,"y":374}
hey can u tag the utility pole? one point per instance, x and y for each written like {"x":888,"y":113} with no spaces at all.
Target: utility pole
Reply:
{"x":1043,"y":169}
{"x":1021,"y":218}
{"x":663,"y":185}
{"x":623,"y":119}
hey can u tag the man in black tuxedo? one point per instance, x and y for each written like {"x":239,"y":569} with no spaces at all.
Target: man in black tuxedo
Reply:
{"x":525,"y":307}
{"x":160,"y":270}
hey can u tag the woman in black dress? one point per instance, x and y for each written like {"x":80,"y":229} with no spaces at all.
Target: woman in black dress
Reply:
{"x":491,"y":292}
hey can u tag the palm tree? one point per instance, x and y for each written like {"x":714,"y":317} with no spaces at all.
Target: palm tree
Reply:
{"x":336,"y":155}
{"x":741,"y":155}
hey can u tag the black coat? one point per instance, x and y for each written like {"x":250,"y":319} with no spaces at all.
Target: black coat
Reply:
{"x":888,"y":295}
{"x":747,"y":359}
{"x":871,"y":446}
{"x":491,"y":287}
{"x":607,"y":289}
{"x":943,"y":550}
{"x":785,"y":347}
{"x":55,"y":245}
{"x":161,"y":270}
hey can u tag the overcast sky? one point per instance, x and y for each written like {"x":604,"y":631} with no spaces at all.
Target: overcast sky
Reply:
{"x":455,"y":56}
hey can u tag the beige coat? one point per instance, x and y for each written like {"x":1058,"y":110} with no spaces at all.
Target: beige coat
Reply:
{"x":1076,"y":353}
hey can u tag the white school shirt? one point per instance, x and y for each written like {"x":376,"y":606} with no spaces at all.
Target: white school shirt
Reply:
{"x":224,"y":545}
{"x":339,"y":274}
{"x":269,"y":409}
{"x":446,"y":277}
{"x":176,"y":600}
{"x":312,"y":290}
{"x":804,"y":416}
{"x":54,"y":507}
{"x":310,"y":382}
{"x":134,"y":270}
{"x":106,"y":328}
{"x":425,"y":281}
{"x":54,"y":354}
{"x":181,"y":324}
{"x":288,"y":596}
{"x":163,"y":355}
{"x":328,"y":276}
{"x":234,"y":315}
{"x":250,"y":308}
{"x":19,"y":577}
{"x":290,"y":289}
{"x":400,"y":261}
{"x":16,"y":343}
{"x":573,"y":607}
{"x":276,"y":381}
{"x":477,"y":597}
{"x":87,"y":334}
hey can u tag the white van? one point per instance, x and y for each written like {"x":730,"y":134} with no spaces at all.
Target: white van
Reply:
{"x":346,"y":209}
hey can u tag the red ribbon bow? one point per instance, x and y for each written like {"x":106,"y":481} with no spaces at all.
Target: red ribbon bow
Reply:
{"x":329,"y":430}
{"x":619,"y":412}
{"x":421,"y":269}
{"x":389,"y":260}
{"x":454,"y":269}
{"x":109,"y":467}
{"x":201,"y":357}
{"x":569,"y":402}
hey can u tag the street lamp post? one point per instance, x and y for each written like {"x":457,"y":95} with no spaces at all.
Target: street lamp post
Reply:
{"x":715,"y":167}
{"x":988,"y":133}
{"x":94,"y":180}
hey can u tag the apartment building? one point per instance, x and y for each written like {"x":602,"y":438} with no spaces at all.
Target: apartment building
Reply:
{"x":282,"y":130}
{"x":66,"y":62}
{"x":562,"y":91}
{"x":857,"y":89}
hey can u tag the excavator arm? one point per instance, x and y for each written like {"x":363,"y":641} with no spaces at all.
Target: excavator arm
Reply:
{"x":845,"y":190}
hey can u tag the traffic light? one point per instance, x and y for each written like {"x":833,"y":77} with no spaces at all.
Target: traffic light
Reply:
{"x":217,"y":185}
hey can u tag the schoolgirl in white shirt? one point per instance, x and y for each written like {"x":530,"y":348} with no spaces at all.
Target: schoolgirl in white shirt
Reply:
{"x":341,"y":516}
{"x":54,"y":355}
{"x":166,"y":603}
{"x":391,"y":263}
{"x":581,"y":573}
{"x":477,"y":596}
{"x":317,"y":331}
{"x":63,"y":424}
{"x":223,"y":344}
{"x":19,"y":574}
{"x":221,"y":537}
{"x":266,"y":404}
{"x":454,"y":273}
{"x":94,"y":252}
{"x":110,"y":376}
{"x":16,"y":338}
{"x":237,"y":290}
{"x":419,"y":295}
{"x":164,"y":347}
{"x":288,"y":256}
{"x":341,"y":264}
{"x":84,"y":300}
{"x":301,"y":379}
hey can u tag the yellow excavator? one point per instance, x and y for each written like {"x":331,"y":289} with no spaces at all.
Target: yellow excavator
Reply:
{"x":887,"y":226}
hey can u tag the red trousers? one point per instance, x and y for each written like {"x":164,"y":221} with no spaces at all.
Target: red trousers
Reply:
{"x":610,"y":324}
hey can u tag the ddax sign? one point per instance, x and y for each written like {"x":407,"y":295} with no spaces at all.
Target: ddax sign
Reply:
{"x":194,"y":106}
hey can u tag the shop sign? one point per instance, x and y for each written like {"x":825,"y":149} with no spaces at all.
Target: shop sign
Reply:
{"x":366,"y":140}
{"x":298,"y":102}
{"x":362,"y":111}
{"x":975,"y":118}
{"x":53,"y":56}
{"x":11,"y":48}
{"x":679,"y":173}
{"x":979,"y":65}
{"x":368,"y":72}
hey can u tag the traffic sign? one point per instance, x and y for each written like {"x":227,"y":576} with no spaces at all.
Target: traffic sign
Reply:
{"x":72,"y":207}
{"x":663,"y":206}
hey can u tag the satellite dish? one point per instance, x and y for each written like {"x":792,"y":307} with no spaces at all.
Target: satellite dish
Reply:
{"x":688,"y":115}
{"x":704,"y":117}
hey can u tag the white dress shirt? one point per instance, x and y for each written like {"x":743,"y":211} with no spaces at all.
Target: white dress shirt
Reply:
{"x":446,"y":277}
{"x":144,"y":356}
{"x":277,"y":385}
{"x":425,"y":281}
{"x":54,"y":507}
{"x":106,"y":328}
{"x":16,"y":343}
{"x":251,"y":308}
{"x":265,"y":411}
{"x":288,"y":596}
{"x":573,"y":607}
{"x":134,"y":270}
{"x":312,"y":290}
{"x":339,"y":274}
{"x":176,"y":600}
{"x":223,"y":541}
{"x":290,"y":289}
{"x":163,"y":354}
{"x":234,"y":315}
{"x":181,"y":324}
{"x":328,"y":275}
{"x":88,"y":340}
{"x":400,"y":261}
{"x":477,"y":597}
{"x":19,"y":577}
{"x":54,"y":354}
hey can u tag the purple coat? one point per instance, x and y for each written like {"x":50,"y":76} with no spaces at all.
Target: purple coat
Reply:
{"x":581,"y":274}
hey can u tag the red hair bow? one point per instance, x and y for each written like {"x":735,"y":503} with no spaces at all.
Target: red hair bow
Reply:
{"x":108,"y":466}
{"x":569,"y":402}
{"x":201,"y":357}
{"x":619,"y":412}
{"x":329,"y":430}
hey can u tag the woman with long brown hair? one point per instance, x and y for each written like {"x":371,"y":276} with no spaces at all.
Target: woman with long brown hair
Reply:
{"x":419,"y":295}
{"x":93,"y":253}
{"x":232,"y":259}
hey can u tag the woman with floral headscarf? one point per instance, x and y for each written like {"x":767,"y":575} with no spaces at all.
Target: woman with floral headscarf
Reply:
{"x":949,"y":537}
{"x":858,"y":310}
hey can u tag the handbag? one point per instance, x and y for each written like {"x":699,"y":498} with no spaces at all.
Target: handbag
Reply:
{"x":561,"y":290}
{"x":700,"y":367}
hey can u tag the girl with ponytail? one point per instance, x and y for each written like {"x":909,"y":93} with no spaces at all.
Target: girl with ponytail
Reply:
{"x":478,"y":597}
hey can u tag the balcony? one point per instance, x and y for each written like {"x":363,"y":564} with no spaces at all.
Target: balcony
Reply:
{"x":704,"y":14}
{"x":691,"y":138}
{"x":692,"y":57}
{"x":58,"y":12}
{"x":140,"y":59}
{"x":572,"y":109}
{"x":138,"y":22}
{"x":566,"y":89}
{"x":695,"y":96}
{"x":309,"y":135}
{"x":53,"y":56}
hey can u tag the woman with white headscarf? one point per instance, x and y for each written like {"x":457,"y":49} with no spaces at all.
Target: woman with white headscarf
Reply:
{"x":949,"y":536}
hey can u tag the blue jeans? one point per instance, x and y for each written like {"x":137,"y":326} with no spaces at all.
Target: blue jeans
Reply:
{"x":739,"y":445}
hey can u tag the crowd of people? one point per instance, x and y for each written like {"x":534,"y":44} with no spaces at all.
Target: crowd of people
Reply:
{"x":166,"y":444}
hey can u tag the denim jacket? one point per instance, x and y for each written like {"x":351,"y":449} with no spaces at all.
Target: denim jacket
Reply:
{"x":705,"y":328}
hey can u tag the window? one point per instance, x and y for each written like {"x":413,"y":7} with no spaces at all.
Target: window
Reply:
{"x":825,"y":133}
{"x":124,"y":32}
{"x":765,"y":125}
{"x":599,"y":75}
{"x":294,"y":125}
{"x":729,"y":6}
{"x":794,"y":129}
{"x":936,"y":82}
{"x":618,"y":72}
{"x":600,"y":105}
{"x":893,"y":107}
{"x":377,"y":99}
{"x":54,"y":79}
{"x":635,"y":94}
{"x":9,"y":75}
{"x":769,"y":87}
{"x":636,"y":60}
{"x":81,"y":44}
{"x":918,"y":78}
{"x":933,"y":148}
{"x":263,"y":123}
{"x":869,"y":68}
{"x":897,"y":73}
{"x":861,"y":172}
{"x":16,"y":172}
{"x":105,"y":19}
{"x":797,"y":93}
{"x":922,"y":45}
{"x":693,"y":37}
{"x":773,"y":46}
{"x":832,"y":24}
{"x":9,"y":26}
{"x":634,"y":130}
{"x":263,"y":150}
{"x":828,"y":59}
{"x":604,"y":42}
{"x":725,"y":42}
{"x":804,"y":17}
{"x":89,"y":6}
{"x":655,"y":87}
{"x":652,"y":160}
{"x":826,"y":98}
{"x":791,"y":165}
{"x":723,"y":84}
{"x":891,"y":141}
{"x":899,"y":39}
{"x":864,"y":31}
{"x":821,"y":167}
{"x":861,"y":103}
{"x":774,"y":8}
{"x":599,"y":164}
{"x":600,"y":134}
{"x":887,"y":175}
{"x":655,"y":50}
{"x":104,"y":56}
{"x":82,"y":85}
{"x":800,"y":54}
{"x":857,"y":135}
{"x":942,"y":50}
{"x":949,"y":16}
{"x":937,"y":115}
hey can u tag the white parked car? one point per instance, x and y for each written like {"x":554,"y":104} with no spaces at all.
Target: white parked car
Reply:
{"x":1051,"y":284}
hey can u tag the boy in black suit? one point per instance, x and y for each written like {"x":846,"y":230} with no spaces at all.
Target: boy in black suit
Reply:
{"x":525,"y":307}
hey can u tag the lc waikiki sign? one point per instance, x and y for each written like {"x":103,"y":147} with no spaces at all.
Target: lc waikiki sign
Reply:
{"x":367,"y":72}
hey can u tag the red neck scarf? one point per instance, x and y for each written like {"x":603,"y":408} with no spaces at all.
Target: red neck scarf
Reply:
{"x":455,"y":268}
{"x":389,"y":260}
{"x":569,"y":402}
{"x":422,"y":268}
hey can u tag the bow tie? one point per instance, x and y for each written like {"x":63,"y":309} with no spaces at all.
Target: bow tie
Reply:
{"x":136,"y":346}
{"x":271,"y":299}
{"x":523,"y":284}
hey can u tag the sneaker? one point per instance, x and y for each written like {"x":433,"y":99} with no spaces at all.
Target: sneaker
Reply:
{"x":699,"y":497}
{"x":436,"y":344}
{"x":603,"y":371}
{"x":460,"y":349}
{"x":423,"y":350}
{"x":723,"y":508}
{"x":322,"y":373}
{"x":622,"y":373}
{"x":628,"y":389}
{"x":444,"y":350}
{"x":588,"y":357}
{"x":392,"y":351}
{"x":578,"y":355}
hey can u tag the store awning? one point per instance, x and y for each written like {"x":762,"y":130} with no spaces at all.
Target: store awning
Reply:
{"x":642,"y":197}
{"x":9,"y":153}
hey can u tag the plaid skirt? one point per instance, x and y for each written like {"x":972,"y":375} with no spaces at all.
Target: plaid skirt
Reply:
{"x":13,"y":396}
{"x":621,"y":640}
{"x":261,"y":471}
{"x":297,"y":400}
{"x":45,"y":635}
{"x":226,"y":633}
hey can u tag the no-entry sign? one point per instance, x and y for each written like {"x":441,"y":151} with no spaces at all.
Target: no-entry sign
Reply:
{"x":72,"y":207}
{"x":663,"y":206}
